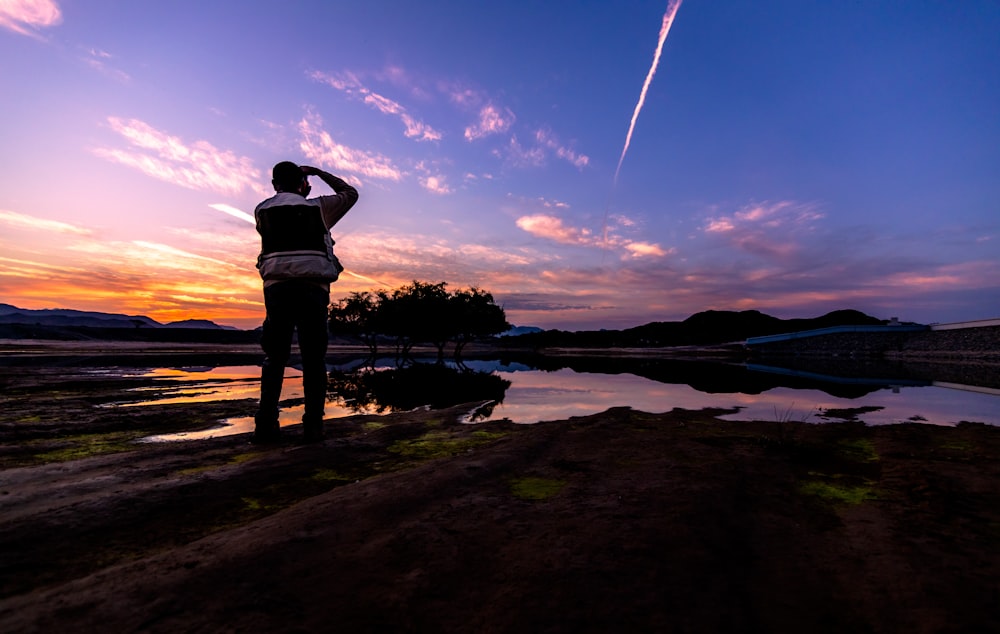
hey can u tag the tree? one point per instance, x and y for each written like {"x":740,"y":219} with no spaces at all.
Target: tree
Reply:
{"x":419,"y":312}
{"x":359,"y":315}
{"x":475,"y":314}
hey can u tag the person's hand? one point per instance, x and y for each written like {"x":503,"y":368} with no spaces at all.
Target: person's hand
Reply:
{"x":308,"y":170}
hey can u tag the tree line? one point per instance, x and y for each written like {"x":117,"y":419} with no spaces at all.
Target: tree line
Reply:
{"x":419,"y":312}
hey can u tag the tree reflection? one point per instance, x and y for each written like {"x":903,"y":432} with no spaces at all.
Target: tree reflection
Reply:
{"x":437,"y":386}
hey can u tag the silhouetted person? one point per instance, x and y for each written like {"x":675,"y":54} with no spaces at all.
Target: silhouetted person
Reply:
{"x":297,"y":265}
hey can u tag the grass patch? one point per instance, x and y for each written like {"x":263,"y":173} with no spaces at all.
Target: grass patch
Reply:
{"x":253,"y":504}
{"x":233,"y":460}
{"x":440,"y":444}
{"x":957,"y":445}
{"x":859,"y":449}
{"x":837,"y":493}
{"x":535,"y":488}
{"x":86,"y":446}
{"x":373,"y":426}
{"x":330,"y":475}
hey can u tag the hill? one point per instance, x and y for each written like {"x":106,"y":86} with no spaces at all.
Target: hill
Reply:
{"x":67,"y":317}
{"x":65,"y":324}
{"x":711,"y":327}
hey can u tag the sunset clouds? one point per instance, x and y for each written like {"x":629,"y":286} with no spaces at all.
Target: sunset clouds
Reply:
{"x":160,"y":280}
{"x":554,"y":228}
{"x":318,"y":146}
{"x":351,"y":85}
{"x":492,"y":120}
{"x":195,"y":165}
{"x":15,"y":220}
{"x":27,"y":16}
{"x":766,"y":229}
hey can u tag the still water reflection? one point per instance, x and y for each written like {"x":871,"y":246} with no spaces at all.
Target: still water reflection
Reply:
{"x":527,"y":393}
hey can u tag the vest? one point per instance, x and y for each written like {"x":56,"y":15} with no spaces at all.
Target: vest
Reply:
{"x":295,"y":243}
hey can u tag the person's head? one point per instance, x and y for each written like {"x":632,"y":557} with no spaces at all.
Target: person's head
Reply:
{"x":288,"y":177}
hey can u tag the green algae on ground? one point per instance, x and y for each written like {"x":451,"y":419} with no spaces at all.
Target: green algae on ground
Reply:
{"x":440,"y":444}
{"x":253,"y":504}
{"x":535,"y":488}
{"x":331,"y":475}
{"x":837,"y":493}
{"x":860,"y":449}
{"x":82,"y":446}
{"x":230,"y":460}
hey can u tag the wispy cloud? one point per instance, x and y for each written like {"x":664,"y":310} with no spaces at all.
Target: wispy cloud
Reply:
{"x":462,"y":96}
{"x":492,"y":120}
{"x":552,"y":204}
{"x":542,"y":146}
{"x":349,"y":84}
{"x":432,"y":180}
{"x":24,"y":221}
{"x":197,"y":165}
{"x":173,"y":253}
{"x":319,"y":146}
{"x":396,"y":259}
{"x":646,"y":249}
{"x":27,"y":16}
{"x":765,"y":229}
{"x":520,"y":156}
{"x":435,"y":185}
{"x":101,"y":61}
{"x":547,"y":139}
{"x":554,"y":228}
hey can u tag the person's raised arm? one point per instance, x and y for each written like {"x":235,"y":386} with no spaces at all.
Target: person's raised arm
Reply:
{"x":347,"y":195}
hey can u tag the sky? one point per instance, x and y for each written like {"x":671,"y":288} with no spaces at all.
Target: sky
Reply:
{"x":591,"y":164}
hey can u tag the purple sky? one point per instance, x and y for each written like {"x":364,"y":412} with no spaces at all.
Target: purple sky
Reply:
{"x":789,"y":157}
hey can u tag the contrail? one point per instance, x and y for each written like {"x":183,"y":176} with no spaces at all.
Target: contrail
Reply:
{"x":668,"y":20}
{"x":233,"y":211}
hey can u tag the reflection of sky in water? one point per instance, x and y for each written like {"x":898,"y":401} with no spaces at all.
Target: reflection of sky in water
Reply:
{"x":538,"y":396}
{"x":229,"y":383}
{"x":201,"y":385}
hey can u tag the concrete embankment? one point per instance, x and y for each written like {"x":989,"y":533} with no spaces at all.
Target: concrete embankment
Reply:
{"x":977,"y":341}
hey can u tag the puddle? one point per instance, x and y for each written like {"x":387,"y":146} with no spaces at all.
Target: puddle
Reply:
{"x":523,"y":394}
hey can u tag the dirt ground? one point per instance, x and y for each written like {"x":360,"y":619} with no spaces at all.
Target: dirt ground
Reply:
{"x":413,"y":522}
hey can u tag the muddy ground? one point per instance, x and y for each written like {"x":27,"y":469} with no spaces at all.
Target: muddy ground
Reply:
{"x":413,"y":522}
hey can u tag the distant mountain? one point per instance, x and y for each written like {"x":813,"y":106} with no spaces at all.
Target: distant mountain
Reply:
{"x":711,"y":327}
{"x":520,"y":330}
{"x":65,"y":317}
{"x":197,"y":323}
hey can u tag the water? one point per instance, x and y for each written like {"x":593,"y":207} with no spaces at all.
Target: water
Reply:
{"x":523,"y":393}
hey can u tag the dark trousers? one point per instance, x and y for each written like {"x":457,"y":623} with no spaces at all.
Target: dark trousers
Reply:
{"x":291,"y":306}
